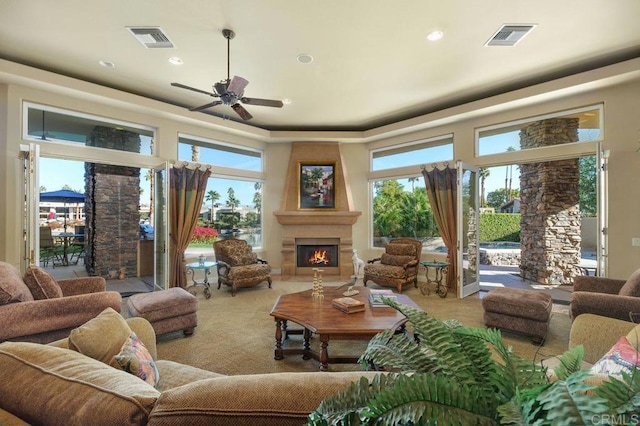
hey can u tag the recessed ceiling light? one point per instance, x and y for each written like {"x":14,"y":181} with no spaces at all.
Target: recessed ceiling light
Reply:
{"x":303,"y":58}
{"x":286,"y":101}
{"x":435,"y":35}
{"x":175,"y":60}
{"x":107,"y":64}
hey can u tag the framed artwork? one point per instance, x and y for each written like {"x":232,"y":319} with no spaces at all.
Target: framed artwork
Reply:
{"x":316,"y":185}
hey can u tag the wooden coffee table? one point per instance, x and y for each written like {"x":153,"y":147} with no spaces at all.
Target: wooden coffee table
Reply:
{"x":319,"y":317}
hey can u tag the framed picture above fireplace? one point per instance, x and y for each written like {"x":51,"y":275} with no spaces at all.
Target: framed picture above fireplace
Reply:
{"x":316,"y":185}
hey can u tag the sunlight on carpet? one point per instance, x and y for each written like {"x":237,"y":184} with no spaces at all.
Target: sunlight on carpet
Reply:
{"x":235,"y":335}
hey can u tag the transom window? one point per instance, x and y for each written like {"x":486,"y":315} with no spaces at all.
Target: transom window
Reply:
{"x":52,"y":125}
{"x":506,"y":137}
{"x":219,"y":154}
{"x":412,"y":154}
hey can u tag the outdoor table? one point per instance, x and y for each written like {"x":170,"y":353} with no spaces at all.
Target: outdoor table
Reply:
{"x":66,"y":238}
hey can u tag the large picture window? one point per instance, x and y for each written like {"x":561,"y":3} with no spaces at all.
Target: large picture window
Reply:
{"x":233,"y":202}
{"x":400,"y":207}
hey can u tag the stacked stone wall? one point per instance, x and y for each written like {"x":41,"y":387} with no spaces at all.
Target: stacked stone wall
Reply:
{"x":550,"y":213}
{"x":112,"y":213}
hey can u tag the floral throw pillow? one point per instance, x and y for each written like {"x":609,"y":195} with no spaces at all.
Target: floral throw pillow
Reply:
{"x":622,"y":357}
{"x":135,"y":358}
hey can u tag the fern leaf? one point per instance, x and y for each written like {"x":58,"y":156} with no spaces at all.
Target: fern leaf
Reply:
{"x":570,"y":362}
{"x":572,"y":401}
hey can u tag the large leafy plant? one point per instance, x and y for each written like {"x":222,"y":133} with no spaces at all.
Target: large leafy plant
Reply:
{"x":442,"y":373}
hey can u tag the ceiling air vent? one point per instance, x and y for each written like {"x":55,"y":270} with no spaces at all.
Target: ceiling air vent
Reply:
{"x":509,"y":35}
{"x":151,"y":37}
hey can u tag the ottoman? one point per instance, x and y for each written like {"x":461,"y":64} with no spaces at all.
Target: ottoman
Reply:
{"x":522,"y":311}
{"x":167,"y":310}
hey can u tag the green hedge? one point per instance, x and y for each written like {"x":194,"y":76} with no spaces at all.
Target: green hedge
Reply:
{"x":500,"y":227}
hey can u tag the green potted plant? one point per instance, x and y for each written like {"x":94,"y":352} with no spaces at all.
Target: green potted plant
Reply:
{"x":442,"y":373}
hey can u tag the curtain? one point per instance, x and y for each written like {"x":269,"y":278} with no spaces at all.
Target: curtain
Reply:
{"x":186,"y":193}
{"x":441,"y":190}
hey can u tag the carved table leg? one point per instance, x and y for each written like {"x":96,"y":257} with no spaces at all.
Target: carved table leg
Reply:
{"x":306,"y":345}
{"x":324,"y":353}
{"x":277,"y":353}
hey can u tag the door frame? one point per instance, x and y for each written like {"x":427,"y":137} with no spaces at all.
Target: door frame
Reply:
{"x":469,"y":288}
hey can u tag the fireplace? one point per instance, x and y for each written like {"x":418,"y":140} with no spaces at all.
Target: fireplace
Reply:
{"x":317,"y":255}
{"x":324,"y":229}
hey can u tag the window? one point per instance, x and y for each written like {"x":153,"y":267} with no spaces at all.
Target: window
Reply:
{"x":413,"y":154}
{"x":48,"y":124}
{"x":233,"y":202}
{"x":401,"y":209}
{"x":219,"y":154}
{"x":582,"y":125}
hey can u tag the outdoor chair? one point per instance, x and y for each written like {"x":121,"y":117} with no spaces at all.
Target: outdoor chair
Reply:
{"x":398,"y":265}
{"x":49,"y":250}
{"x":606,"y":297}
{"x":238,"y":266}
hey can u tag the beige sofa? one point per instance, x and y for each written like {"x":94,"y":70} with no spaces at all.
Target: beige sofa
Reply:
{"x":50,"y":384}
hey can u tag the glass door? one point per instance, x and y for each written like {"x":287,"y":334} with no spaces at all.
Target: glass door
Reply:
{"x":603,"y":223}
{"x":159,"y":219}
{"x":468,"y":230}
{"x":31,"y":217}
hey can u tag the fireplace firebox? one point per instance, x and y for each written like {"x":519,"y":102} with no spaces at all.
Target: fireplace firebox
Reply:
{"x":316,"y":256}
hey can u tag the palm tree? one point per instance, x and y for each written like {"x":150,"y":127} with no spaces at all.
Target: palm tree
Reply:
{"x":484,"y":173}
{"x":212,"y":196}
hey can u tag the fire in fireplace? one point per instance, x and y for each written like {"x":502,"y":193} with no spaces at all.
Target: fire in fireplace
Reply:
{"x":313,"y":256}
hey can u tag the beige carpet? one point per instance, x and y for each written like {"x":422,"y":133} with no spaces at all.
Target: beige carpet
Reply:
{"x":235,"y":335}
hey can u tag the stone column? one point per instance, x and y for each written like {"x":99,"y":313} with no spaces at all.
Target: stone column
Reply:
{"x":112,"y":230}
{"x":550,"y":210}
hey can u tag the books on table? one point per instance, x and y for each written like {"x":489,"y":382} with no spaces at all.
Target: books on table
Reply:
{"x":348,"y":304}
{"x":376,"y":296}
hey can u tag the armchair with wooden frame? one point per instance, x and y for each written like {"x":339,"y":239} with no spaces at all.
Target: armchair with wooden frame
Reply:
{"x":398,"y":265}
{"x":608,"y":297}
{"x":238,"y":266}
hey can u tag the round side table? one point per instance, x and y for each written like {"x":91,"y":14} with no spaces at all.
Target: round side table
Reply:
{"x":206,"y":268}
{"x":440,"y":268}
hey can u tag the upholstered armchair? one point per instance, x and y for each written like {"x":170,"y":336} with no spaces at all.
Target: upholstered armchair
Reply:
{"x":39,"y":309}
{"x":398,"y":265}
{"x":238,"y":266}
{"x":607,"y":297}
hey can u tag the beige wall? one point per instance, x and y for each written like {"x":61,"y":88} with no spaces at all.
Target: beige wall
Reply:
{"x":617,"y":88}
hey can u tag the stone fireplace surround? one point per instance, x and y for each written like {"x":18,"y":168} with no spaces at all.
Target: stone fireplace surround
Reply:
{"x":303,"y":225}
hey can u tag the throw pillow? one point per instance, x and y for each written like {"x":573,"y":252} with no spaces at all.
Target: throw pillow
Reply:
{"x":401,"y":249}
{"x":102,"y":337}
{"x":622,"y":357}
{"x":12,"y":288}
{"x":632,"y":286}
{"x":41,"y":284}
{"x":134,"y":358}
{"x":390,"y":259}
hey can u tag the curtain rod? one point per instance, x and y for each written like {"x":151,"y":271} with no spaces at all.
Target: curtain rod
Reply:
{"x":190,"y":165}
{"x":445,"y":164}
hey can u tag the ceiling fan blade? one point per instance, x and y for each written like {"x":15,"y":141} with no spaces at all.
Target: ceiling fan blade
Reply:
{"x":237,"y":85}
{"x":243,"y":113}
{"x":262,"y":102}
{"x":205,"y":106}
{"x":182,"y":86}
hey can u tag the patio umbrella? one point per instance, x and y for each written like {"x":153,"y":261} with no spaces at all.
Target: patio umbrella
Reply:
{"x":63,"y":196}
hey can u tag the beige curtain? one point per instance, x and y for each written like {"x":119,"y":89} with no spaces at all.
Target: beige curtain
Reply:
{"x":441,"y":190}
{"x":186,"y":193}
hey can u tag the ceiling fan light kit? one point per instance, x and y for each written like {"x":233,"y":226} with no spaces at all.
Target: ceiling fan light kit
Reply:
{"x":230,"y":92}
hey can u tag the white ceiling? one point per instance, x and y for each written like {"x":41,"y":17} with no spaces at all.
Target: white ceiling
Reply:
{"x":372,"y":62}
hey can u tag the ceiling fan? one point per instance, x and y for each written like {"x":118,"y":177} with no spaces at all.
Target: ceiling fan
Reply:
{"x":230,"y":91}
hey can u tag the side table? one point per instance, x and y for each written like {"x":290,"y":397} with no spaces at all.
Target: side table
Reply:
{"x":206,"y":267}
{"x":441,"y":268}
